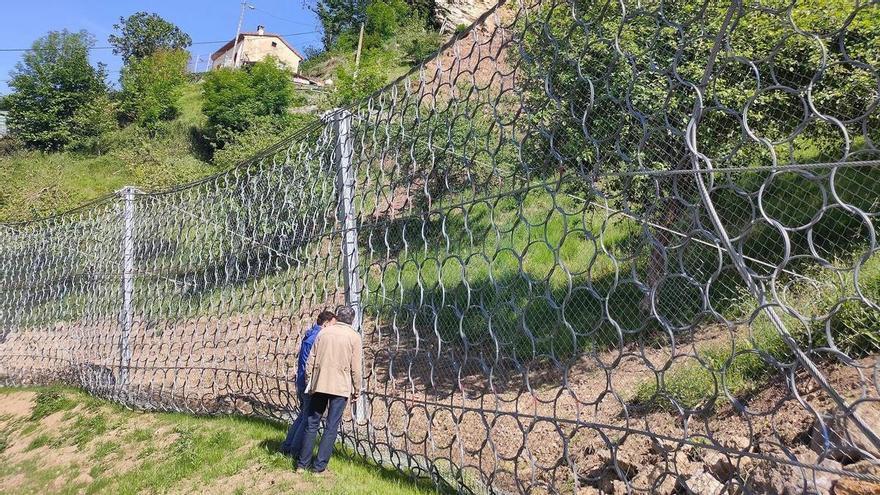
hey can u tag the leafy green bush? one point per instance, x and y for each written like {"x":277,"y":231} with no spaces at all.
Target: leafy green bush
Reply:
{"x":96,"y":121}
{"x":151,"y":87}
{"x":356,"y":84}
{"x":57,"y":97}
{"x":235,"y":98}
{"x":384,"y":17}
{"x":262,"y":133}
{"x":418,"y":42}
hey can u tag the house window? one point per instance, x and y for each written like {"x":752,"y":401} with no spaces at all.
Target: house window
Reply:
{"x":274,"y":44}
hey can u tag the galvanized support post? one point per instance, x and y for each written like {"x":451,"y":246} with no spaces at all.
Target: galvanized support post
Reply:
{"x":345,"y":187}
{"x":126,"y":316}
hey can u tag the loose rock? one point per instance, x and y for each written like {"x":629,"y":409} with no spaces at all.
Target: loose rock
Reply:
{"x":851,"y":486}
{"x":704,"y":483}
{"x":845,"y":440}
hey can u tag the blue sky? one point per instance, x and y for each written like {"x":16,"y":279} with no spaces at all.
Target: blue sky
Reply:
{"x":204,"y":20}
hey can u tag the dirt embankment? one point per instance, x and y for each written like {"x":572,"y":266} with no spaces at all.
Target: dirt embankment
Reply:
{"x":516,"y":426}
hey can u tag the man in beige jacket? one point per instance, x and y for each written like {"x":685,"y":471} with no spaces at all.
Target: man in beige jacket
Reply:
{"x":334,"y":376}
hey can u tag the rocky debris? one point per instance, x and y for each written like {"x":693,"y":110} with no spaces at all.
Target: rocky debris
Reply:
{"x":453,"y":13}
{"x":765,"y":477}
{"x":852,"y":486}
{"x":656,"y":480}
{"x":618,"y":488}
{"x":703,"y":483}
{"x":846,"y":442}
{"x":825,"y":481}
{"x":719,"y":465}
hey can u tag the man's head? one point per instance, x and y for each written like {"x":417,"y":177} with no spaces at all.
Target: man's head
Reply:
{"x":326,"y":317}
{"x":345,"y":314}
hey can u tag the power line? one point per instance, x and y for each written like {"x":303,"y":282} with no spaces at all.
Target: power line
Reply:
{"x":194,"y":43}
{"x":282,"y":18}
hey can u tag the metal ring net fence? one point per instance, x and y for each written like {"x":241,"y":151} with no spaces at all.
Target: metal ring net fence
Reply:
{"x":595,"y":247}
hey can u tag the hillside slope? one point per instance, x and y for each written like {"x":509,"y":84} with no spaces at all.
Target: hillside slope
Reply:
{"x":35,"y":184}
{"x":63,"y":441}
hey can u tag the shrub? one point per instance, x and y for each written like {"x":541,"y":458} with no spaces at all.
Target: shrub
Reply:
{"x":261,"y":133}
{"x":151,"y":87}
{"x":418,"y":43}
{"x":235,"y":98}
{"x":738,"y":371}
{"x":154,"y":156}
{"x":95,"y":121}
{"x":354,"y":85}
{"x":58,"y":98}
{"x":384,"y":17}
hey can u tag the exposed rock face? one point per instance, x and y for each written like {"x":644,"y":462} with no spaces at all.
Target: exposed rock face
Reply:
{"x":453,"y":13}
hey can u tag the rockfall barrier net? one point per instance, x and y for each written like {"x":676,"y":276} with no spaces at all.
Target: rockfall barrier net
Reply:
{"x":604,"y":246}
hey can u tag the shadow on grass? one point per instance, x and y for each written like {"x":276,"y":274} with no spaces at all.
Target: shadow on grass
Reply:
{"x":340,"y":452}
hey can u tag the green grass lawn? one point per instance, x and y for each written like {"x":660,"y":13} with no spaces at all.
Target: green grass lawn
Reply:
{"x":69,"y":442}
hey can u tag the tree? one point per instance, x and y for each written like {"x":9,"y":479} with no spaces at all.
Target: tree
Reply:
{"x":339,"y":17}
{"x":385,"y":16}
{"x":58,"y":98}
{"x":142,"y":34}
{"x":235,"y":98}
{"x":151,"y":87}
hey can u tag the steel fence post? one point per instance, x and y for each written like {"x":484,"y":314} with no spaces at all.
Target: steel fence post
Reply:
{"x":345,"y":187}
{"x":126,"y":317}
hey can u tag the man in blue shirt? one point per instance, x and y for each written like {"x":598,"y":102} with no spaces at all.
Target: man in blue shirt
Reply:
{"x":291,"y":444}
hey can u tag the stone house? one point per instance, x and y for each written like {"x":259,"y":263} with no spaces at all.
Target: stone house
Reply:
{"x":253,"y":47}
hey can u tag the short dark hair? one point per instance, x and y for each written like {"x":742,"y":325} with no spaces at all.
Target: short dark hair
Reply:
{"x":345,"y":314}
{"x":325,"y":316}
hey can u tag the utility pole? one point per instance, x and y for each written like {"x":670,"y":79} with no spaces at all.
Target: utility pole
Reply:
{"x":244,"y":5}
{"x":357,"y":58}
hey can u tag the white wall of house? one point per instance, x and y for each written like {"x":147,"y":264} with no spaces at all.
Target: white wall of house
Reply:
{"x":254,"y":48}
{"x":257,"y":48}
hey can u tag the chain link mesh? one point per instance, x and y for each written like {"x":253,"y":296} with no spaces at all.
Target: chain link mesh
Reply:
{"x":601,"y":247}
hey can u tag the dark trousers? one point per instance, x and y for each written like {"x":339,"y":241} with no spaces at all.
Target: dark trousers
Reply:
{"x":291,"y":445}
{"x":334,"y":405}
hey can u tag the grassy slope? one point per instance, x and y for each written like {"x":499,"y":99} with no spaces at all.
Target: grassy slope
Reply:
{"x":34,"y":184}
{"x":68,"y":442}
